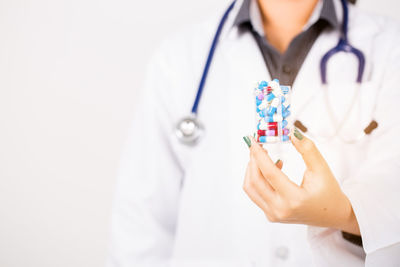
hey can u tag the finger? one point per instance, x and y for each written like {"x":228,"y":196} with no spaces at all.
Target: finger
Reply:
{"x":279,"y":164}
{"x":252,"y":193}
{"x":278,"y":180}
{"x":311,"y":155}
{"x":260,"y":184}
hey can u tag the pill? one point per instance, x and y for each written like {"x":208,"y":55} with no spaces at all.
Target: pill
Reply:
{"x":270,"y":132}
{"x":273,"y":132}
{"x":258,"y":101}
{"x":275,"y":102}
{"x":274,"y":118}
{"x":286,"y":113}
{"x":270,"y":97}
{"x":262,"y":84}
{"x":263,"y":125}
{"x":284,"y":123}
{"x":275,"y":86}
{"x":262,"y":113}
{"x":267,"y":90}
{"x":261,"y":132}
{"x":263,"y":104}
{"x":285,"y":131}
{"x":268,"y":139}
{"x":260,"y":97}
{"x":286,"y":104}
{"x":285,"y":89}
{"x":285,"y":138}
{"x":271,"y":111}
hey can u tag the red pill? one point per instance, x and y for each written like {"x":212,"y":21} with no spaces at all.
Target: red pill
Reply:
{"x":261,"y":132}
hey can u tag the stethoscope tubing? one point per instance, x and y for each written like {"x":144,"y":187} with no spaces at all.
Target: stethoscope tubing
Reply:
{"x":210,"y":58}
{"x":342,"y":46}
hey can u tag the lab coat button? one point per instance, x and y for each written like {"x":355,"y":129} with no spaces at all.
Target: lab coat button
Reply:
{"x":287,"y":69}
{"x":282,"y":252}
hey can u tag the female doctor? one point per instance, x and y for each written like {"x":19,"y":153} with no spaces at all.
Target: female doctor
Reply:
{"x":310,"y":202}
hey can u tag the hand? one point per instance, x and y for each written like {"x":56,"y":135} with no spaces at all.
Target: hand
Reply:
{"x":318,"y":201}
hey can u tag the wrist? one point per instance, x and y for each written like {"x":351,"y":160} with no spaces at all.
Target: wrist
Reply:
{"x":349,"y":222}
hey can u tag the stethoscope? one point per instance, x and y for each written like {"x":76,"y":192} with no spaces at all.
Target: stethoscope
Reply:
{"x":189,"y":129}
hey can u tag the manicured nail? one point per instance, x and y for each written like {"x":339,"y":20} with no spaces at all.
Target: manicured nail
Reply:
{"x":277,"y":161}
{"x":298,"y":134}
{"x":247,"y":140}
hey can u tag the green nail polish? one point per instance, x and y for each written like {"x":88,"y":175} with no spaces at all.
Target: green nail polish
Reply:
{"x":298,"y":134}
{"x":277,"y":161}
{"x":247,"y":140}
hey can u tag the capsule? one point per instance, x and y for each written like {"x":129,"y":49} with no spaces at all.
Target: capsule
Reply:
{"x":268,"y":126}
{"x":271,"y":111}
{"x":285,"y":89}
{"x":263,"y":104}
{"x":262,"y":125}
{"x":285,"y":138}
{"x":286,"y":113}
{"x":274,"y":118}
{"x":262,"y":84}
{"x":263,"y":113}
{"x":285,"y":131}
{"x":268,"y":139}
{"x":272,"y":132}
{"x":270,"y":97}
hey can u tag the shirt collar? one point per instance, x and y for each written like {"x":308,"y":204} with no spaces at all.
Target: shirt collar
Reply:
{"x":247,"y":14}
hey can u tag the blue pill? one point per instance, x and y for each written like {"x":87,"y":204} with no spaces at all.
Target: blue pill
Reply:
{"x":283,"y":99}
{"x":257,"y":110}
{"x":284,"y":138}
{"x":262,"y":139}
{"x":276,"y":80}
{"x":262,"y":113}
{"x":284,"y":123}
{"x":269,"y":119}
{"x":285,"y":89}
{"x":270,"y":97}
{"x":285,"y":113}
{"x":262,"y":84}
{"x":258,"y":101}
{"x":271,"y":111}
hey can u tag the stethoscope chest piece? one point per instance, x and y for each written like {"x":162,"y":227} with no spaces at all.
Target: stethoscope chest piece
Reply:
{"x":189,"y":130}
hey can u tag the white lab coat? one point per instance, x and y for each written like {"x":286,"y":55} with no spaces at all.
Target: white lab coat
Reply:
{"x":184,"y":206}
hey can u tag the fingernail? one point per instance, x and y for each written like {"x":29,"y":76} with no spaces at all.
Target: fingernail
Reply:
{"x":277,"y":161}
{"x":298,"y":134}
{"x":247,"y":140}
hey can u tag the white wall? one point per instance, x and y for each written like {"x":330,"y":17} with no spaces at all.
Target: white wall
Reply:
{"x":69,"y":73}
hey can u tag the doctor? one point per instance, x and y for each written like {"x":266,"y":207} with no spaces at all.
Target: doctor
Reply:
{"x":327,"y":201}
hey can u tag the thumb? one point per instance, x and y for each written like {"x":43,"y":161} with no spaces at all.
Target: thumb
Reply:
{"x":310,"y":153}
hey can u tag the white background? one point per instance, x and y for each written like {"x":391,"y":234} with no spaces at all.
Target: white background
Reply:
{"x":69,"y":74}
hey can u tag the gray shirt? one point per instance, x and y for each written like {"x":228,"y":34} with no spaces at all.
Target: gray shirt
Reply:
{"x":286,"y":66}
